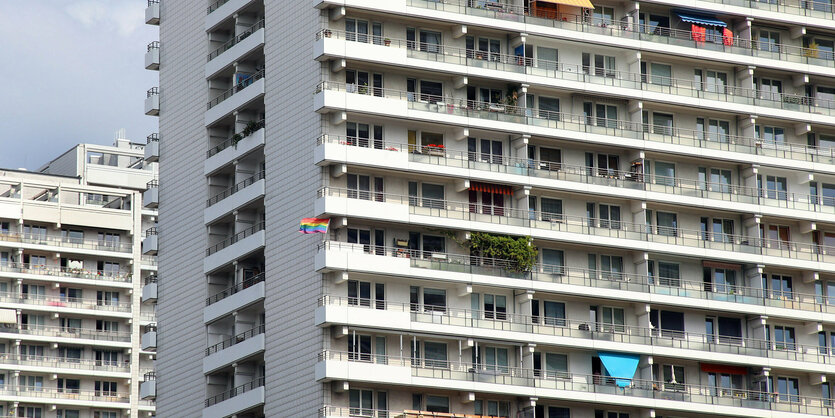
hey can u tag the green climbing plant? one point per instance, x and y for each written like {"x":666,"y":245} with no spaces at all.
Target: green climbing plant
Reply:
{"x":519,"y":251}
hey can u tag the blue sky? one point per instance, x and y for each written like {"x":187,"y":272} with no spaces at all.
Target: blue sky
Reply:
{"x":74,"y":72}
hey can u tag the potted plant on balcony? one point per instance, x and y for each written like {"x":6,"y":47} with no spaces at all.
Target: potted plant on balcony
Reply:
{"x":811,"y":51}
{"x":436,"y":149}
{"x":236,"y":138}
{"x":363,"y":88}
{"x":387,"y":41}
{"x":519,"y":252}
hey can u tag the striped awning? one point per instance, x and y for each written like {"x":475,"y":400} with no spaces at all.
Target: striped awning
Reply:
{"x":8,"y":316}
{"x":718,"y":265}
{"x":579,"y":3}
{"x":490,"y":188}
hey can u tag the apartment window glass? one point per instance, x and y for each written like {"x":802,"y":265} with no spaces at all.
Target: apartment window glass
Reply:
{"x":662,"y":124}
{"x":435,"y":354}
{"x":72,"y":236}
{"x":612,"y":319}
{"x":430,"y":41}
{"x":495,"y":307}
{"x":549,"y":108}
{"x":665,"y":173}
{"x":433,"y":195}
{"x":434,"y":300}
{"x":784,"y":338}
{"x":361,"y":402}
{"x":551,"y":209}
{"x":769,"y":41}
{"x":661,"y":74}
{"x":356,"y":30}
{"x":609,"y":216}
{"x":552,"y":261}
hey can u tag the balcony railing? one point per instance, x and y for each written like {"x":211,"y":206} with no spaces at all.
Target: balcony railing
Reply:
{"x":590,"y":175}
{"x":149,"y":260}
{"x":235,"y":238}
{"x":671,"y":234}
{"x":150,"y":279}
{"x":235,"y":289}
{"x":810,"y":8}
{"x":65,"y":302}
{"x":625,"y":30}
{"x":69,"y":394}
{"x":671,"y":286}
{"x":236,"y":39}
{"x":561,"y":327}
{"x":153,"y":91}
{"x":153,"y":45}
{"x":237,"y":339}
{"x":594,"y":75}
{"x":153,"y":184}
{"x":239,"y":390}
{"x":240,"y":85}
{"x":154,"y":137}
{"x":67,"y":242}
{"x":69,"y":332}
{"x":149,"y":376}
{"x":65,"y":362}
{"x":214,"y":6}
{"x":235,"y":189}
{"x":151,"y":232}
{"x":152,"y":2}
{"x":232,"y":141}
{"x":591,"y":125}
{"x":514,"y":379}
{"x":76,"y":273}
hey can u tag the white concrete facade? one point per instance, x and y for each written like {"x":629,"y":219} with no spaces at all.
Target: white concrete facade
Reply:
{"x":71,"y":278}
{"x":673,"y":165}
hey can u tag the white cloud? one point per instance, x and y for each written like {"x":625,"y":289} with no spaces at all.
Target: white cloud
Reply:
{"x":123,"y":17}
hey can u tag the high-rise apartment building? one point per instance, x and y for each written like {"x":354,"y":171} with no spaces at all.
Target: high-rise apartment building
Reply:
{"x":538,"y":208}
{"x":77,"y":251}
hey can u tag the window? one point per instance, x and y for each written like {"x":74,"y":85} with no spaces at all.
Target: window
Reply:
{"x":725,"y":384}
{"x":70,"y":354}
{"x":667,"y":224}
{"x":34,"y":412}
{"x":665,"y":173}
{"x":360,"y":134}
{"x":69,"y":385}
{"x":68,"y":413}
{"x":715,"y":179}
{"x":549,"y":108}
{"x":356,"y":30}
{"x":107,"y":268}
{"x":547,"y":58}
{"x":34,"y":352}
{"x":612,"y":319}
{"x":660,"y":74}
{"x":437,"y":403}
{"x":104,"y":298}
{"x":432,"y":195}
{"x":359,"y":236}
{"x":490,"y":203}
{"x":483,"y":48}
{"x":34,"y":261}
{"x":601,"y":114}
{"x":668,"y":324}
{"x":549,"y":158}
{"x":609,"y":414}
{"x":492,"y":408}
{"x":29,"y":321}
{"x":784,"y":338}
{"x":495,"y":307}
{"x":106,"y":358}
{"x":34,"y":232}
{"x":359,"y":347}
{"x":551,"y":209}
{"x":433,"y":244}
{"x":775,"y":236}
{"x":69,"y":294}
{"x":713,"y":130}
{"x":662,"y":124}
{"x":770,"y":89}
{"x":363,"y":83}
{"x":771,"y":134}
{"x":719,"y":280}
{"x":30,"y":383}
{"x":31,"y":291}
{"x":717,"y":229}
{"x":435,"y":354}
{"x":730,"y":330}
{"x":604,"y":65}
{"x":780,"y":286}
{"x":786,"y":388}
{"x":553,"y":261}
{"x":668,"y":274}
{"x":607,"y":165}
{"x":774,"y":187}
{"x":105,"y":414}
{"x":434,"y":300}
{"x":484,"y":150}
{"x":108,"y":239}
{"x":361,"y":402}
{"x":107,"y":326}
{"x":554,"y":312}
{"x":673,"y":377}
{"x":359,"y":293}
{"x":424,"y":91}
{"x":769,"y":41}
{"x":72,"y":236}
{"x":359,"y":187}
{"x":491,"y":358}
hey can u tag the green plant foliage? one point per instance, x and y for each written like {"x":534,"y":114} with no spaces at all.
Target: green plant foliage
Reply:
{"x":518,"y":250}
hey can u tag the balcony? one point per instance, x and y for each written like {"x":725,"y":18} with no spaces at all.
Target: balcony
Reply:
{"x":66,"y":365}
{"x":149,"y":290}
{"x":567,"y":126}
{"x":242,"y":93}
{"x":583,"y":335}
{"x":576,"y":229}
{"x":572,"y":77}
{"x":631,"y":36}
{"x":150,"y":197}
{"x":236,"y":48}
{"x":233,"y":198}
{"x":59,"y":243}
{"x":236,"y":400}
{"x":234,"y":148}
{"x":237,"y":246}
{"x":152,"y":12}
{"x":235,"y":349}
{"x":522,"y":382}
{"x":150,"y":244}
{"x":148,"y":262}
{"x":152,"y":102}
{"x":149,"y":338}
{"x":152,"y":148}
{"x":75,"y":397}
{"x":148,"y":386}
{"x":76,"y":274}
{"x":152,"y":56}
{"x":234,"y":298}
{"x":784,"y":10}
{"x":65,"y":304}
{"x":466,"y":269}
{"x":571,"y":178}
{"x":72,"y":335}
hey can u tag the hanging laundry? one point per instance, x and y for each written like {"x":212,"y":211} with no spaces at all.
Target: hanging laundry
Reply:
{"x":727,"y":37}
{"x":698,"y":33}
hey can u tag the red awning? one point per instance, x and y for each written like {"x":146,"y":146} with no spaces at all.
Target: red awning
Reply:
{"x":490,"y":188}
{"x":717,"y":265}
{"x":722,"y":368}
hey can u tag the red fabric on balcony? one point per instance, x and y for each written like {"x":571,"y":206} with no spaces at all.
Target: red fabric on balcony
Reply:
{"x":718,"y":265}
{"x":699,"y":33}
{"x":723,"y":369}
{"x":727,"y":37}
{"x":491,"y":188}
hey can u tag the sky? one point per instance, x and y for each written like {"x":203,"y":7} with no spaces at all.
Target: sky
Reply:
{"x":74,"y":72}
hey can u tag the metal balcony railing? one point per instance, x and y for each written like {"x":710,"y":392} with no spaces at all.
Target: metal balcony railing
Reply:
{"x":237,"y":339}
{"x":235,"y":238}
{"x":153,"y":184}
{"x":153,"y":45}
{"x":154,"y":137}
{"x":65,"y":302}
{"x":591,"y":175}
{"x":234,"y":189}
{"x":67,"y":242}
{"x":80,"y":273}
{"x":149,"y":376}
{"x":153,"y":2}
{"x":240,"y":85}
{"x":515,"y":379}
{"x":151,"y":232}
{"x":214,"y":6}
{"x":589,"y":74}
{"x":239,"y":390}
{"x":235,"y":289}
{"x":669,"y":234}
{"x":150,"y":279}
{"x":153,"y":91}
{"x":233,"y":140}
{"x":59,"y":393}
{"x":588,"y":278}
{"x":591,"y":125}
{"x":624,"y":30}
{"x":235,"y":40}
{"x":69,"y":332}
{"x":561,"y":327}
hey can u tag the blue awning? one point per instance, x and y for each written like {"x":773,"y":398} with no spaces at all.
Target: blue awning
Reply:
{"x":701,"y":19}
{"x":621,"y":366}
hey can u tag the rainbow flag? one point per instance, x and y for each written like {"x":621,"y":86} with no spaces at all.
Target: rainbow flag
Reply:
{"x":314,"y":226}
